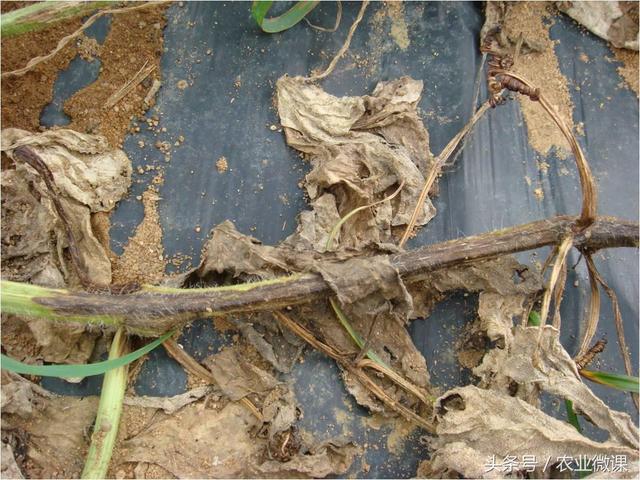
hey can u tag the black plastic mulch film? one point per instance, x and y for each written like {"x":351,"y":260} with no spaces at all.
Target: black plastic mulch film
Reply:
{"x":484,"y":190}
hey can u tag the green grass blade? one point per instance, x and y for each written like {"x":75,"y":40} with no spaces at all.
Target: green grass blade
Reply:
{"x":282,"y":22}
{"x":71,"y":371}
{"x":613,"y":380}
{"x":572,"y":418}
{"x":359,"y":341}
{"x":534,"y":319}
{"x":105,"y":430}
{"x":259,"y":10}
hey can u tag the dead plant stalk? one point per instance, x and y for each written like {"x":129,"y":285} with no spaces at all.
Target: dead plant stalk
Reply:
{"x":154,"y":310}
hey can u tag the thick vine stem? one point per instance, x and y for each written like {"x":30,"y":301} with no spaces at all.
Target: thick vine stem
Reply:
{"x":154,"y":310}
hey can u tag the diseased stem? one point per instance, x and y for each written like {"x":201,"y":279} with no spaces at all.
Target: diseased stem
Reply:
{"x":105,"y":429}
{"x":152,"y":311}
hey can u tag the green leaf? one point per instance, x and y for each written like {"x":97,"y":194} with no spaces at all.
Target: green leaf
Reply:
{"x":355,"y":336}
{"x":534,"y":319}
{"x":571,"y":415}
{"x":282,"y":22}
{"x":613,"y":380}
{"x":88,"y":370}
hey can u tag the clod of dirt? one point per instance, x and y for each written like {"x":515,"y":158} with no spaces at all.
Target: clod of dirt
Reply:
{"x":89,"y":176}
{"x":88,"y":48}
{"x":222,"y":165}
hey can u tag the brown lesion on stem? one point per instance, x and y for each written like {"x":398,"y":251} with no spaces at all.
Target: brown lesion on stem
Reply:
{"x":150,"y":312}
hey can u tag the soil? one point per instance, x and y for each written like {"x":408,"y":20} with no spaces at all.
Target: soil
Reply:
{"x":629,"y":68}
{"x":142,"y":28}
{"x":533,"y":20}
{"x":23,"y":98}
{"x":399,"y":33}
{"x":222,"y":165}
{"x":143,"y":257}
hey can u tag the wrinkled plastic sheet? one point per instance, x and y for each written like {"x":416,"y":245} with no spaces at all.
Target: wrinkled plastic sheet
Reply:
{"x":484,"y":189}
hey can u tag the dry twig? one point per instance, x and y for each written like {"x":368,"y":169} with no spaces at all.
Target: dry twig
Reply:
{"x":344,"y":48}
{"x":192,"y":366}
{"x":324,"y":29}
{"x":617,"y":315}
{"x":129,"y":85}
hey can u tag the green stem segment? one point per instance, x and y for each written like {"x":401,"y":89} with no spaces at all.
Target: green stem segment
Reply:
{"x":105,"y":429}
{"x":43,"y":14}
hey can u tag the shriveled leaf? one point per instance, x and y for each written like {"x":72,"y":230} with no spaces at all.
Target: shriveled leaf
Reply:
{"x":89,"y":177}
{"x":475,"y":424}
{"x":532,"y":367}
{"x":221,"y":443}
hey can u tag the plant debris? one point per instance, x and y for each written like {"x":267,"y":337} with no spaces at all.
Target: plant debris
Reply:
{"x":90,"y":177}
{"x":206,"y":442}
{"x":614,"y":21}
{"x":361,"y":149}
{"x":502,"y":417}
